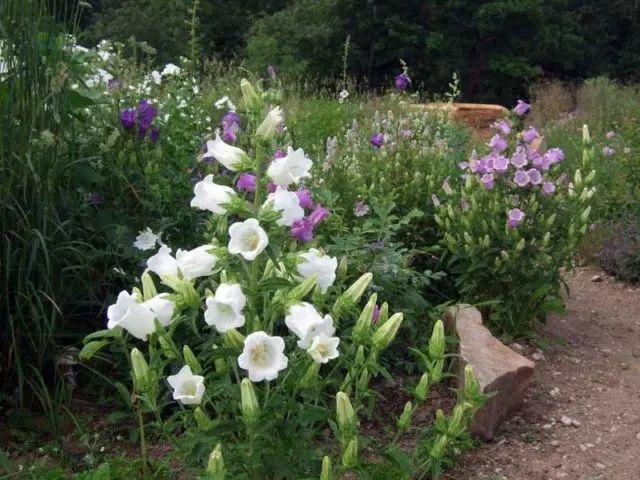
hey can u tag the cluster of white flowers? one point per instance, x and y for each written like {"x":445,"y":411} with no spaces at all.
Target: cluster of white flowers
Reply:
{"x":225,"y":102}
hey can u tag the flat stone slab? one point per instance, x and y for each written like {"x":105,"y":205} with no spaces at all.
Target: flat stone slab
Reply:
{"x":498,"y":368}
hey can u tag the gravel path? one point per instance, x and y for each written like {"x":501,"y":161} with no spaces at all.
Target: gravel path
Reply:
{"x":581,"y":419}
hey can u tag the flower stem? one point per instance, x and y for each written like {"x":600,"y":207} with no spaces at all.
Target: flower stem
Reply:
{"x":143,"y":443}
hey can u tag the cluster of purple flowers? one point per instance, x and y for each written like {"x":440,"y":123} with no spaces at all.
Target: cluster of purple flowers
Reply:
{"x":142,"y":116}
{"x":402,"y":82}
{"x":230,"y":126}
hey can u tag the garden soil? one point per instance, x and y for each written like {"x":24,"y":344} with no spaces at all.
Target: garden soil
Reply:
{"x":581,"y":417}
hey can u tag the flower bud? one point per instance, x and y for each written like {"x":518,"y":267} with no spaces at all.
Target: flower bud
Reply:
{"x":191,"y":360}
{"x":346,"y":415}
{"x":546,"y":238}
{"x":437,"y":451}
{"x":355,"y":291}
{"x":383,"y":315}
{"x":148,"y":287}
{"x":551,"y":220}
{"x":202,"y":419}
{"x":216,"y":463}
{"x":472,"y":388}
{"x":249,"y":402}
{"x":233,"y":338}
{"x":310,"y":377}
{"x":166,"y":348}
{"x":437,"y":342}
{"x":586,"y":138}
{"x":184,"y":288}
{"x":405,"y":418}
{"x":457,"y":423}
{"x":269,"y":125}
{"x":359,"y":361}
{"x":520,"y":245}
{"x":363,"y":381}
{"x":296,"y":294}
{"x":590,"y":177}
{"x":387,"y":332}
{"x":450,"y":212}
{"x":441,"y":421}
{"x":249,"y":95}
{"x":140,"y":370}
{"x":342,"y":267}
{"x":422,"y":388}
{"x":577,"y":178}
{"x":585,"y":214}
{"x":326,"y":473}
{"x":350,"y":455}
{"x":346,"y":384}
{"x":467,"y":238}
{"x":362,"y":327}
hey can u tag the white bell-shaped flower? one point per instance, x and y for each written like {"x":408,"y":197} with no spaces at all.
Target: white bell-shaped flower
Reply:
{"x":162,"y":308}
{"x":317,"y":263}
{"x":129,"y":314}
{"x":146,"y":240}
{"x":228,"y":155}
{"x":248,"y":239}
{"x":287,"y":203}
{"x":306,"y":323}
{"x":211,"y":196}
{"x":323,"y":348}
{"x":292,"y":168}
{"x":269,"y":125}
{"x":224,"y":310}
{"x":163,"y":263}
{"x":187,"y":387}
{"x":195,"y":263}
{"x":263,"y":356}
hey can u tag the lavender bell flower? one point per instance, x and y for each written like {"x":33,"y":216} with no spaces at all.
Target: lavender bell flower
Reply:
{"x":548,"y":188}
{"x":498,"y":143}
{"x":401,"y":82}
{"x":530,"y":135}
{"x":304,"y":198}
{"x":464,"y":204}
{"x":521,"y":108}
{"x":534,"y":176}
{"x":361,"y":209}
{"x":229,"y":132}
{"x":463,"y":165}
{"x":488,"y":181}
{"x":377,"y":245}
{"x":608,"y":152}
{"x":504,"y":127}
{"x":611,"y":134}
{"x":435,"y":200}
{"x":246,"y":183}
{"x":318,"y":215}
{"x":446,"y":186}
{"x":231,"y":118}
{"x":128,"y":118}
{"x":519,"y":159}
{"x":271,"y":187}
{"x":555,"y":155}
{"x":521,"y":178}
{"x":302,"y":229}
{"x":515,"y":217}
{"x":153,"y":137}
{"x":501,"y":164}
{"x":377,"y":140}
{"x":280,"y":154}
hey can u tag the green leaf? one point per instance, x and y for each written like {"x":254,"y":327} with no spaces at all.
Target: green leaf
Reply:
{"x":269,"y":284}
{"x":81,"y":98}
{"x":91,"y":348}
{"x":114,"y":333}
{"x":115,"y":417}
{"x":311,"y":414}
{"x":400,"y":458}
{"x":4,"y":461}
{"x":124,"y":393}
{"x":102,"y":473}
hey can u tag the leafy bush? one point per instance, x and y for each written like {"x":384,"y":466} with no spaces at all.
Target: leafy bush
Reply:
{"x":620,"y":253}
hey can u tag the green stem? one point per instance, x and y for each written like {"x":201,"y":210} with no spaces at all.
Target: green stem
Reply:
{"x":143,"y":443}
{"x":257,"y":199}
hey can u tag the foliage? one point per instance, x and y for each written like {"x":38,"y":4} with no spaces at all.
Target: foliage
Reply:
{"x":620,"y":253}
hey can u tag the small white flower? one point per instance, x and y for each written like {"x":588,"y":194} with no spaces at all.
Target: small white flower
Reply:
{"x":287,"y":203}
{"x":134,"y":317}
{"x":226,"y":154}
{"x":162,"y":308}
{"x":197,"y":262}
{"x":224,"y":310}
{"x":146,"y":240}
{"x":306,"y":323}
{"x":211,"y":196}
{"x":156,"y":77}
{"x":231,"y":106}
{"x":196,"y":89}
{"x":170,"y":69}
{"x":104,"y":55}
{"x":269,"y":125}
{"x":163,"y":263}
{"x":317,"y":263}
{"x":290,"y":169}
{"x":263,"y":356}
{"x":324,"y":348}
{"x":248,"y":239}
{"x":221,"y":102}
{"x":187,"y":387}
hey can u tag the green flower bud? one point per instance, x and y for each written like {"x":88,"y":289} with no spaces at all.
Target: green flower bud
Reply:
{"x":362,"y":327}
{"x":326,"y":473}
{"x":583,"y":229}
{"x":310,"y":377}
{"x":233,"y":338}
{"x":551,"y":220}
{"x":183,"y":288}
{"x":585,"y":214}
{"x":148,"y":287}
{"x":497,"y":263}
{"x":346,"y":384}
{"x":438,"y":449}
{"x":202,"y":419}
{"x":267,"y":129}
{"x":467,"y":238}
{"x":167,"y":351}
{"x":299,"y":292}
{"x":350,"y":455}
{"x":249,"y":95}
{"x":422,"y":389}
{"x":546,"y":238}
{"x":384,"y":314}
{"x":387,"y":332}
{"x":355,"y":291}
{"x":451,"y":242}
{"x":447,"y":223}
{"x":345,"y":414}
{"x":405,"y":418}
{"x":216,"y":463}
{"x":359,"y":361}
{"x":577,"y":178}
{"x":437,"y":342}
{"x":450,"y":212}
{"x":191,"y":360}
{"x":249,"y":402}
{"x":472,"y":388}
{"x":441,"y":421}
{"x":221,"y":364}
{"x":590,"y":177}
{"x":140,"y":370}
{"x":457,"y":424}
{"x":341,"y":272}
{"x":363,"y":382}
{"x":438,"y":219}
{"x":586,"y":138}
{"x":520,"y":245}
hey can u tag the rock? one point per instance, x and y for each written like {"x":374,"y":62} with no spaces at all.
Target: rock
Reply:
{"x":636,"y":352}
{"x":601,"y":466}
{"x":624,"y":366}
{"x":517,"y":346}
{"x":596,"y":278}
{"x":498,"y":368}
{"x":575,"y":423}
{"x":554,"y":392}
{"x":555,"y":443}
{"x":537,"y":356}
{"x":566,"y":421}
{"x":638,"y":436}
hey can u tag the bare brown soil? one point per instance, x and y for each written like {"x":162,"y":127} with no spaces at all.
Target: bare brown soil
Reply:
{"x":592,"y":382}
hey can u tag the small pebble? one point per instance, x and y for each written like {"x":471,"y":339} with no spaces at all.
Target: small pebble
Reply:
{"x":624,"y":366}
{"x":638,"y":436}
{"x":576,"y":423}
{"x":566,"y":421}
{"x":601,"y":466}
{"x":554,"y":392}
{"x":555,"y":443}
{"x":596,"y":278}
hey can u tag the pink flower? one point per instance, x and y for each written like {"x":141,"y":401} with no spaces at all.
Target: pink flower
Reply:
{"x":534,"y":176}
{"x":548,"y":188}
{"x":435,"y":200}
{"x":318,"y":215}
{"x":304,"y":198}
{"x":519,"y":159}
{"x":361,"y":209}
{"x":246,"y":182}
{"x":498,"y":143}
{"x":487,"y":181}
{"x":521,"y":178}
{"x":515,"y":217}
{"x":501,"y":164}
{"x":375,"y":315}
{"x":530,"y":135}
{"x":302,"y":229}
{"x":521,"y":108}
{"x":611,"y":134}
